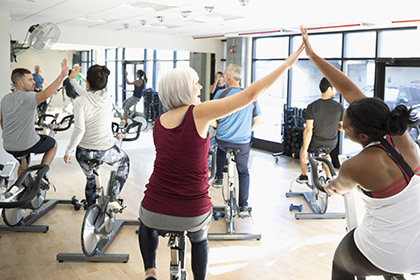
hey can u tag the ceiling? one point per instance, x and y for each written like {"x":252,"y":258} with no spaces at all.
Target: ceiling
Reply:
{"x":227,"y":18}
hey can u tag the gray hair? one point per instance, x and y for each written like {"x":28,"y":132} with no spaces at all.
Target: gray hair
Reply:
{"x":235,"y":71}
{"x":176,"y":87}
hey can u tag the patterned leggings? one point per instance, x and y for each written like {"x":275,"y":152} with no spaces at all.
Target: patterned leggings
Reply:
{"x":111,"y":156}
{"x":129,"y":102}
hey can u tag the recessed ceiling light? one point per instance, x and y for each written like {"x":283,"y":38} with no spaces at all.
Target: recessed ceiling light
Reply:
{"x":209,"y":8}
{"x":185,"y":13}
{"x":160,"y":18}
{"x":143,"y":22}
{"x":244,"y":2}
{"x":125,"y":25}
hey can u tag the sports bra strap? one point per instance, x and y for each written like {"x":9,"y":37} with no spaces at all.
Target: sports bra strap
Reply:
{"x":398,"y":158}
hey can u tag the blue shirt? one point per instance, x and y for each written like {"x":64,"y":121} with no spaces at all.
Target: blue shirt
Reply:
{"x":38,"y":80}
{"x":236,"y":127}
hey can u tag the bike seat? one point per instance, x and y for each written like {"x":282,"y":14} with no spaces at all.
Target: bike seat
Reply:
{"x":94,"y":162}
{"x":232,"y":150}
{"x":164,"y":233}
{"x":20,"y":156}
{"x":319,"y":153}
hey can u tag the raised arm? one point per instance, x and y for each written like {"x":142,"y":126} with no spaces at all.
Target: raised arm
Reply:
{"x":338,"y":79}
{"x":213,"y":86}
{"x":51,"y":89}
{"x":135,"y":82}
{"x":207,"y":111}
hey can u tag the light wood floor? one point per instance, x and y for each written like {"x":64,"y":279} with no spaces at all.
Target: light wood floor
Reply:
{"x":289,"y":249}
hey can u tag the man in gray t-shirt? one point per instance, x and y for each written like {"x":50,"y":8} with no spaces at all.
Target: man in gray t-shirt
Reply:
{"x":324,"y":118}
{"x":17,"y":116}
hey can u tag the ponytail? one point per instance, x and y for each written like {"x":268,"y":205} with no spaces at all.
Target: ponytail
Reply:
{"x":400,"y":119}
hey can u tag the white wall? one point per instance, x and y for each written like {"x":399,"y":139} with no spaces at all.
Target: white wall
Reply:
{"x":4,"y":69}
{"x":108,"y":38}
{"x":50,"y":65}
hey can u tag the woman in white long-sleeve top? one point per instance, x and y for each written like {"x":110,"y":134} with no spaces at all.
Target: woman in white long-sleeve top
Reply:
{"x":92,"y":136}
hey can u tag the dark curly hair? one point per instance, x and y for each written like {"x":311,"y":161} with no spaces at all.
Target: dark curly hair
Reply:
{"x":97,"y":77}
{"x":373,"y":117}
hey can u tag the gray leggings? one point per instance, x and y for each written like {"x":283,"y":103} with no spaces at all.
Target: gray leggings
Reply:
{"x":111,"y":156}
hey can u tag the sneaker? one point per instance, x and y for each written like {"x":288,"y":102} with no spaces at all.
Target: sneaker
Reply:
{"x":244,"y":212}
{"x":217,"y":182}
{"x":302,"y":179}
{"x":115,"y":203}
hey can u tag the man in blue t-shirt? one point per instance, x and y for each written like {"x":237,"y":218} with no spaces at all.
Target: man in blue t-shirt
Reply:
{"x":39,"y":80}
{"x":234,"y":131}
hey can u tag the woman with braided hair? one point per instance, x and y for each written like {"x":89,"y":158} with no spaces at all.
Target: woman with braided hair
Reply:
{"x":387,"y":242}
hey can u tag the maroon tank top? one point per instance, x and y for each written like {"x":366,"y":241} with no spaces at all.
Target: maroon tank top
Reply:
{"x":179,"y":182}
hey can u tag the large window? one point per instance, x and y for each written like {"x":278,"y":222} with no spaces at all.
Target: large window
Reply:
{"x":400,"y":43}
{"x":360,"y":44}
{"x":271,"y":102}
{"x":353,"y":52}
{"x":305,"y":83}
{"x":154,"y":62}
{"x":362,"y":73}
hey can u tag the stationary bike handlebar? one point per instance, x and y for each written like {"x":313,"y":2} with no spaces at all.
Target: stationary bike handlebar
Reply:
{"x":55,"y":126}
{"x":32,"y":190}
{"x":116,"y":128}
{"x":313,"y":162}
{"x":68,"y":119}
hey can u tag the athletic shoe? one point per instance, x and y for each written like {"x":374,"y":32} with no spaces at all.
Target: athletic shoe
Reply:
{"x":302,"y":179}
{"x":244,"y":212}
{"x":115,"y":203}
{"x":217,"y":182}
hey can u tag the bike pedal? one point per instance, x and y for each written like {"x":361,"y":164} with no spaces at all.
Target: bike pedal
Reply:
{"x":121,"y":210}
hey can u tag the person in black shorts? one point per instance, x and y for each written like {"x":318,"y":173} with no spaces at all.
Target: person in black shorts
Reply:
{"x":17,"y":111}
{"x":324,"y":118}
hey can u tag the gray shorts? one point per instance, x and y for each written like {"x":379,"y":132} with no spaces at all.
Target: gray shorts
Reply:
{"x":174,"y":223}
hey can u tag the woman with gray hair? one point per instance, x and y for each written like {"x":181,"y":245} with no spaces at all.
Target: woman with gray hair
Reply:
{"x":176,"y":197}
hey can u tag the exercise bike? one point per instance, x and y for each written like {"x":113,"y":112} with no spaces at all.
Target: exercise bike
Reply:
{"x":231,"y":208}
{"x":15,"y":218}
{"x":100,"y":226}
{"x":24,"y":190}
{"x":177,"y":245}
{"x":317,"y":198}
{"x":133,"y":117}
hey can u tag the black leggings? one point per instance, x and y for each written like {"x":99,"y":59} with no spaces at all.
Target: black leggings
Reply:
{"x":350,"y":262}
{"x":148,"y":241}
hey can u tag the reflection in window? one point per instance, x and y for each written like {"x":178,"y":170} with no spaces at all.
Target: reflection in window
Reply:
{"x":271,"y":102}
{"x":399,"y":43}
{"x":402,"y":86}
{"x":360,"y":44}
{"x":272,"y":48}
{"x":326,"y":45}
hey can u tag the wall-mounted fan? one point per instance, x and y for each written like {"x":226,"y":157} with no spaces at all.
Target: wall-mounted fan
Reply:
{"x":41,"y":37}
